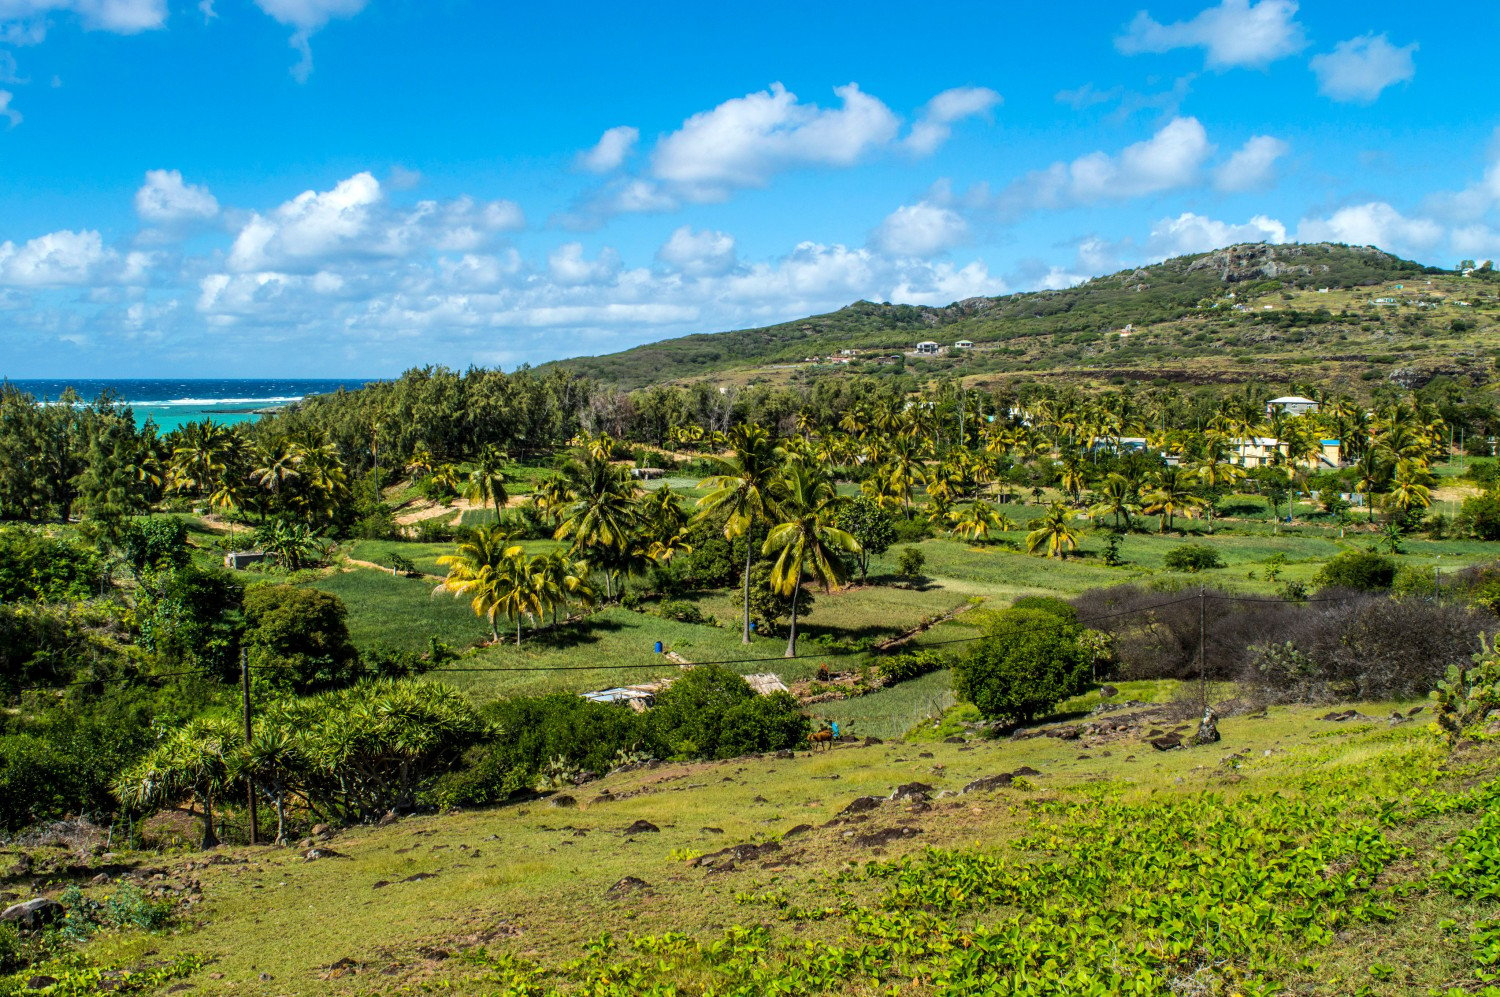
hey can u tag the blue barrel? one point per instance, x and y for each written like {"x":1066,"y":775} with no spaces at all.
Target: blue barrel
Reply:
{"x":752,"y":626}
{"x":658,"y":647}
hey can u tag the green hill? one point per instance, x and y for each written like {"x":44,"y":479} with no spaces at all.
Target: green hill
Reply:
{"x":1303,"y":303}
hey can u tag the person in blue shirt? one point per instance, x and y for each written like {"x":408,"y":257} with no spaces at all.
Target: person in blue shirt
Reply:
{"x":834,"y":726}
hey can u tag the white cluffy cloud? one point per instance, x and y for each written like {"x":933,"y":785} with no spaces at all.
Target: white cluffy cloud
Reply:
{"x":305,"y":17}
{"x":1357,"y":70}
{"x":745,"y":141}
{"x":920,"y":229}
{"x":934,"y":124}
{"x":700,"y":253}
{"x":354,"y":220}
{"x":1252,"y":166}
{"x":1171,"y":158}
{"x":612,"y":149}
{"x":1193,"y":233}
{"x":1373,"y":224}
{"x":1234,"y":33}
{"x":164,"y":199}
{"x":68,"y":259}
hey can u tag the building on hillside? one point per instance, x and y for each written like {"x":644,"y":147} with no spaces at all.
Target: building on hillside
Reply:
{"x":1260,"y":451}
{"x":964,"y":344}
{"x":1291,"y":405}
{"x":647,"y":473}
{"x":637,"y":699}
{"x":1383,"y":301}
{"x":239,"y":560}
{"x":927,"y":346}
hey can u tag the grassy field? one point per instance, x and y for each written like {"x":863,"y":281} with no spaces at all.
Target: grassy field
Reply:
{"x":401,"y":612}
{"x":1318,"y":868}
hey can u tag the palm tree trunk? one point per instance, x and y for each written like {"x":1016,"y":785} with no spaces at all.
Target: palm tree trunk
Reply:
{"x":280,"y":816}
{"x":745,"y":637}
{"x":791,"y":640}
{"x":518,"y":629}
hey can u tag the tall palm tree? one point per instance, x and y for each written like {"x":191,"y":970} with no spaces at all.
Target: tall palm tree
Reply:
{"x":1410,"y":487}
{"x":1116,"y":498}
{"x":1055,"y":532}
{"x":602,"y":517}
{"x":1369,"y":475}
{"x":478,"y":571}
{"x":1174,"y":494}
{"x":486,"y":483}
{"x":745,"y":491}
{"x":807,"y":540}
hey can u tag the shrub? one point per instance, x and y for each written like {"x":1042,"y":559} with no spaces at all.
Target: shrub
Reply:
{"x":1480,"y":515}
{"x":300,"y":636}
{"x":710,"y":712}
{"x":434,"y":530}
{"x":191,"y":616}
{"x":37,"y":567}
{"x":155,"y":542}
{"x":909,"y":566}
{"x":1359,"y":570}
{"x":1028,"y":662}
{"x":1192,"y":558}
{"x":681,"y":611}
{"x":374,"y":521}
{"x":864,"y":519}
{"x":908,"y":531}
{"x":1047,"y":604}
{"x":905,"y":667}
{"x":1465,"y":697}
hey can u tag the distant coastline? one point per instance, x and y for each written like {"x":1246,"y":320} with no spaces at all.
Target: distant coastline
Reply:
{"x":172,"y":402}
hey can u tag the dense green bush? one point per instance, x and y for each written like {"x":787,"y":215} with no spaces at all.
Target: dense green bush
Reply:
{"x":1048,"y":604}
{"x":864,"y":519}
{"x":190,"y":616}
{"x":710,"y":712}
{"x":1361,"y":570}
{"x":1480,"y":515}
{"x":155,"y":542}
{"x":299,"y":637}
{"x":35,"y":565}
{"x":905,"y":667}
{"x":1028,"y":662}
{"x":1192,"y":557}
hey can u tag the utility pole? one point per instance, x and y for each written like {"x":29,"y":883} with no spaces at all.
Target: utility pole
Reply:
{"x":1203,"y":675}
{"x":249,"y":780}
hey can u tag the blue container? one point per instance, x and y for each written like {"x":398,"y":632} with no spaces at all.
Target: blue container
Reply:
{"x":752,"y":626}
{"x":658,"y":647}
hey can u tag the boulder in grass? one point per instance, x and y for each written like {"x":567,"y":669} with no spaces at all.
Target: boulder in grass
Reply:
{"x":33,"y":915}
{"x":989,"y":782}
{"x":861,"y":804}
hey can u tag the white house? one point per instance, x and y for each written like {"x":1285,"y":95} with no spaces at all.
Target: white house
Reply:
{"x":927,"y":346}
{"x":1291,"y":405}
{"x":964,"y":344}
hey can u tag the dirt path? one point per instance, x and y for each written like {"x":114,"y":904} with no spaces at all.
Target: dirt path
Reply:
{"x":902,"y":638}
{"x":383,"y":568}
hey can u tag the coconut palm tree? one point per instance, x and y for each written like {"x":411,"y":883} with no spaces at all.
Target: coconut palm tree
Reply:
{"x":1369,"y":475}
{"x":806,"y":540}
{"x":1116,"y":498}
{"x":1174,"y":494}
{"x":602,"y":518}
{"x":1055,"y":532}
{"x":746,"y":492}
{"x":486,"y":482}
{"x":979,"y":522}
{"x":478,"y":571}
{"x":1410,"y":487}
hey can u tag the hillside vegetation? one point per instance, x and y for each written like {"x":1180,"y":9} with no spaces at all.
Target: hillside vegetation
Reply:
{"x":1180,"y":318}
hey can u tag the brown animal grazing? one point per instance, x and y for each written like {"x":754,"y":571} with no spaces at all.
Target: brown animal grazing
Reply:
{"x":823,"y":737}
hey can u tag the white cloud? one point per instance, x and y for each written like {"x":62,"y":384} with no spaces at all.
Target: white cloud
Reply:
{"x":698,"y":253}
{"x":24,"y":21}
{"x":1234,"y":33}
{"x":935,"y":122}
{"x":612,"y":149}
{"x":1357,"y":70}
{"x":920,"y":229}
{"x":569,"y":267}
{"x":1252,"y":166}
{"x":1193,"y":233}
{"x":7,"y":112}
{"x":1374,"y":224}
{"x":1171,"y":158}
{"x":164,"y":199}
{"x":305,"y":17}
{"x":56,"y":259}
{"x":745,"y":141}
{"x":354,"y":220}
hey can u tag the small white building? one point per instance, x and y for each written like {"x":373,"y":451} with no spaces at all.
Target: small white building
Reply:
{"x":927,"y":346}
{"x":1291,"y":405}
{"x":964,"y":344}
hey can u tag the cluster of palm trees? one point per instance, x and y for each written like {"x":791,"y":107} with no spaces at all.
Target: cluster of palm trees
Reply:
{"x":499,"y":578}
{"x":304,"y":480}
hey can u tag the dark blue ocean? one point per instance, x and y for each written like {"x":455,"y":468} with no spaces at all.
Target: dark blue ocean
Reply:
{"x":172,"y":401}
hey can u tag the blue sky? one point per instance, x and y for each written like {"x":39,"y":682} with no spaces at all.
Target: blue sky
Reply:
{"x":353,"y":187}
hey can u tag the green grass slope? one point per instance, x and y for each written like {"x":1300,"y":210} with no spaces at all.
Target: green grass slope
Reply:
{"x":1320,"y":857}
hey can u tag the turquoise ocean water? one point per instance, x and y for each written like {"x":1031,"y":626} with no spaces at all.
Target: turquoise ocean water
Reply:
{"x":172,"y":402}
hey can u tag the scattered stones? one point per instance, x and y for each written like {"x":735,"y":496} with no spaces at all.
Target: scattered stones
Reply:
{"x":876,"y":839}
{"x":725,"y":859}
{"x":563,"y":800}
{"x":1167,"y":742}
{"x":1108,"y":692}
{"x":1341,"y":716}
{"x":989,"y":782}
{"x":642,"y":827}
{"x":630,"y":884}
{"x":380,"y":884}
{"x":759,"y":799}
{"x":417,"y":877}
{"x":313,"y":854}
{"x":1066,"y":733}
{"x":711,"y":830}
{"x":786,"y":753}
{"x":870,"y":741}
{"x":916,"y":792}
{"x":40,"y":982}
{"x":33,"y":915}
{"x":100,"y":880}
{"x":799,"y":829}
{"x":321,"y":831}
{"x":1025,"y":770}
{"x":861,"y":804}
{"x":924,"y":754}
{"x":954,"y":740}
{"x":388,"y":819}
